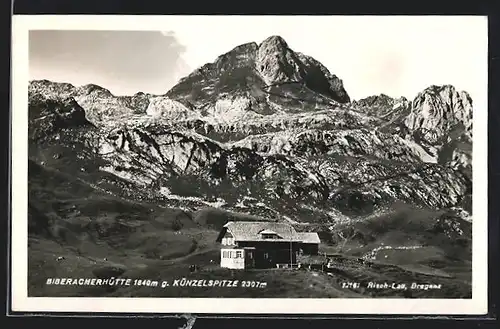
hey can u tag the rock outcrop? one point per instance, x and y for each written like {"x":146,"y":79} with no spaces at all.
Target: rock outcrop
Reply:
{"x":262,"y":123}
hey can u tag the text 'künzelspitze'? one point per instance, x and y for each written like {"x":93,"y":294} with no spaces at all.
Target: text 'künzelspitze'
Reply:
{"x":183,"y":282}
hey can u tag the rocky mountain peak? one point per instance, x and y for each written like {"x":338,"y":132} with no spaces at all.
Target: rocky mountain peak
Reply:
{"x":93,"y":88}
{"x":275,"y":40}
{"x":448,"y":93}
{"x":383,"y":106}
{"x":50,"y":90}
{"x":438,"y":111}
{"x":374,"y":100}
{"x":277,"y":63}
{"x":253,"y":70}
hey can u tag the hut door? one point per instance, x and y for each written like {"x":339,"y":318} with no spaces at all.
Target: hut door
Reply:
{"x":268,"y":258}
{"x":249,"y":259}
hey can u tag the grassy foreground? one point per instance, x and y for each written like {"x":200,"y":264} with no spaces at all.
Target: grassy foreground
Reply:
{"x":76,"y":232}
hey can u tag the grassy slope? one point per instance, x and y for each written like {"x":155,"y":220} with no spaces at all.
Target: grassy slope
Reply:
{"x":69,"y":219}
{"x":438,"y":248}
{"x":101,"y":236}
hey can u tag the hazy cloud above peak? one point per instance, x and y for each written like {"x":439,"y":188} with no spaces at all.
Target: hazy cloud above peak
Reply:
{"x":124,"y":62}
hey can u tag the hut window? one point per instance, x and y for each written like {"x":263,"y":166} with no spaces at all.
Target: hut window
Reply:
{"x":228,"y":241}
{"x":239,"y":254}
{"x":227,"y":254}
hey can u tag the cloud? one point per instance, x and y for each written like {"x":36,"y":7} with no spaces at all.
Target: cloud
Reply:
{"x":123,"y":61}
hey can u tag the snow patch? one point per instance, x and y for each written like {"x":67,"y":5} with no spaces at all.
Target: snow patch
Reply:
{"x":426,"y":157}
{"x":372,"y":255}
{"x":165,"y":191}
{"x":168,"y":108}
{"x":228,"y":110}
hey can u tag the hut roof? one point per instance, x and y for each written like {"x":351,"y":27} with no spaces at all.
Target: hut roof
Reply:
{"x":252,"y":231}
{"x":309,"y":237}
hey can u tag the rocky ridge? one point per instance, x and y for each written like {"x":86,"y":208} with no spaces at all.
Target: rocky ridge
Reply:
{"x":263,"y":130}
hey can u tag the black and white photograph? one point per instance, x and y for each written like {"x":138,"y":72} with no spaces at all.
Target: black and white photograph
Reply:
{"x":262,"y":160}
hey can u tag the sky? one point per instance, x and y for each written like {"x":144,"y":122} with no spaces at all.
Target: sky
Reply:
{"x":394,"y":55}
